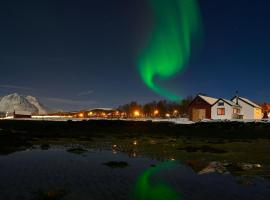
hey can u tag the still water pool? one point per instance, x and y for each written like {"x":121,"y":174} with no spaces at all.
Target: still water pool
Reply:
{"x":59,"y":174}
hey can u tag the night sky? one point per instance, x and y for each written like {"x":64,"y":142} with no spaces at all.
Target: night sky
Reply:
{"x":83,"y":53}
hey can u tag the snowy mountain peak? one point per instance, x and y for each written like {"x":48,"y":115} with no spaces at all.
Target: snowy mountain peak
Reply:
{"x":18,"y":102}
{"x":34,"y":101}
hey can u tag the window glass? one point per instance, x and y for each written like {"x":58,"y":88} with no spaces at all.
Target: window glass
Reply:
{"x":221,"y":111}
{"x":236,"y":111}
{"x":220,"y":103}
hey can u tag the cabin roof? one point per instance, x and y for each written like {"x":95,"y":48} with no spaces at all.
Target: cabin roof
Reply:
{"x":249,"y":102}
{"x":209,"y":100}
{"x":231,"y":103}
{"x":21,"y":112}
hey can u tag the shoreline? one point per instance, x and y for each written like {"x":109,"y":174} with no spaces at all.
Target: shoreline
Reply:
{"x":126,"y":128}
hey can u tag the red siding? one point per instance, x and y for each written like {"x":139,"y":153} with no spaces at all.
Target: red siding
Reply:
{"x":22,"y":116}
{"x":199,"y":103}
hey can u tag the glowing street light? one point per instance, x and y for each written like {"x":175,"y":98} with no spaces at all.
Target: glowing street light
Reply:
{"x":90,"y":113}
{"x":156,"y":112}
{"x":81,"y":115}
{"x":136,"y":113}
{"x":175,"y":113}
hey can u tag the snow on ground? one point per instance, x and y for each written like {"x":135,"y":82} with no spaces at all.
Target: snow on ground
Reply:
{"x":60,"y":118}
{"x":173,"y":120}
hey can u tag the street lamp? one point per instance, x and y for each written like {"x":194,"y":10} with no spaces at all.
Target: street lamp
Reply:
{"x":136,"y":113}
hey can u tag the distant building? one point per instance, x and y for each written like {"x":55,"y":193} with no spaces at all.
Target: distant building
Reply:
{"x":98,"y":113}
{"x":22,"y":114}
{"x":225,"y":109}
{"x":200,"y":108}
{"x":2,"y":114}
{"x":250,"y":110}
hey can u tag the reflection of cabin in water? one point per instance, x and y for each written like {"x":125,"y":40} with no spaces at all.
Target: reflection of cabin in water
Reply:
{"x":200,"y":107}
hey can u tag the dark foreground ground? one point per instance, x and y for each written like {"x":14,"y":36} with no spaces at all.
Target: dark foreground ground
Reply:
{"x":228,"y":130}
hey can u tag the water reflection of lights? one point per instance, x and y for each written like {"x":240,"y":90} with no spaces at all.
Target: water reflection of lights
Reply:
{"x":114,"y":149}
{"x":153,"y":142}
{"x":258,"y":165}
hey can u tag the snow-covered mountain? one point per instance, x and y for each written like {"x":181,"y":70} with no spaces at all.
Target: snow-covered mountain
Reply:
{"x":41,"y":108}
{"x":18,"y":102}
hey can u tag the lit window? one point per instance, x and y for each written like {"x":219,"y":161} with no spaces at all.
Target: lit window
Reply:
{"x":221,"y":111}
{"x":236,"y":111}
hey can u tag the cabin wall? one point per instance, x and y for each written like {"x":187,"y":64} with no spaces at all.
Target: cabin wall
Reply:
{"x":247,"y":110}
{"x":199,"y":104}
{"x":22,"y":116}
{"x":228,"y":111}
{"x":258,"y":113}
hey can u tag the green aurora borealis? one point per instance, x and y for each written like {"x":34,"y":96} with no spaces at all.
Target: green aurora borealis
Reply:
{"x":168,"y":51}
{"x":145,"y":189}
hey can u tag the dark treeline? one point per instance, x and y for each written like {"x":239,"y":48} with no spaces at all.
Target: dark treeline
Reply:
{"x":161,"y":108}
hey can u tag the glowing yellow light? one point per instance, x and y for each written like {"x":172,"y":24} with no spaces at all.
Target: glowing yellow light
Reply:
{"x":114,"y":146}
{"x":90,"y":113}
{"x":136,"y":113}
{"x":258,"y":165}
{"x":81,"y":115}
{"x":175,"y":111}
{"x":156,"y":112}
{"x":135,"y":142}
{"x":167,"y":115}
